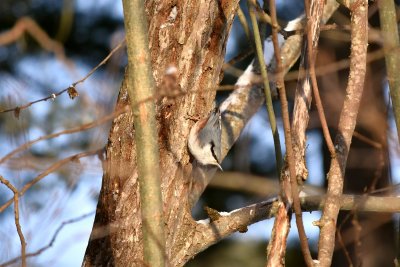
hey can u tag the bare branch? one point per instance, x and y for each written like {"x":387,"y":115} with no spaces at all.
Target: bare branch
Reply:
{"x":80,"y":128}
{"x":104,"y":61}
{"x":276,"y":249}
{"x":207,"y":233}
{"x":267,"y":91}
{"x":70,"y":90}
{"x":253,"y":184}
{"x":26,"y":24}
{"x":53,"y":239}
{"x":49,"y":170}
{"x":245,"y":25}
{"x":16,"y":217}
{"x":347,"y":122}
{"x":314,"y":14}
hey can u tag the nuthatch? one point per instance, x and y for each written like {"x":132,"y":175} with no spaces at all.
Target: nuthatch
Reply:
{"x":205,"y":139}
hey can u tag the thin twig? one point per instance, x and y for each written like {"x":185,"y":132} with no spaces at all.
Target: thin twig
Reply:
{"x":313,"y":19}
{"x":342,"y":64}
{"x":104,"y":61}
{"x":53,"y":239}
{"x":227,"y":87}
{"x":357,"y":240}
{"x":390,"y":33}
{"x":80,"y":128}
{"x":245,"y":25}
{"x":343,"y":246}
{"x":367,"y":140}
{"x":49,"y":170}
{"x":228,"y":67}
{"x":340,"y":236}
{"x":70,"y":89}
{"x":16,"y":217}
{"x":238,"y":58}
{"x":265,"y":18}
{"x":267,"y":90}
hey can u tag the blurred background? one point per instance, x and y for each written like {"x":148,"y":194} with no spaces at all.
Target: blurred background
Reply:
{"x":87,"y":31}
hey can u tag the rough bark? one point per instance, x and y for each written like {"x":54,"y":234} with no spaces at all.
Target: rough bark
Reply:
{"x":191,"y":37}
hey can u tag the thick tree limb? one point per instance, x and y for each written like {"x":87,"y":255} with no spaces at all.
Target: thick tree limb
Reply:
{"x":207,"y":233}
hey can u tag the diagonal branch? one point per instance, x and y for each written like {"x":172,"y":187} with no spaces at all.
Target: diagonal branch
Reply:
{"x":80,"y":128}
{"x":72,"y":92}
{"x":27,"y":24}
{"x":52,"y":241}
{"x":207,"y":233}
{"x":49,"y":170}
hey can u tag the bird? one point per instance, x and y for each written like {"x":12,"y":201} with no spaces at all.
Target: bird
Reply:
{"x":204,"y":140}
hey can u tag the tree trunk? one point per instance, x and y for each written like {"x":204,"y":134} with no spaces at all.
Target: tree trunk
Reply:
{"x":187,"y":42}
